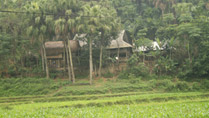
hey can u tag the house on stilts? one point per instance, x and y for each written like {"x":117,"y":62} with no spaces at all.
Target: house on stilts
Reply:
{"x":120,"y":49}
{"x":56,"y":53}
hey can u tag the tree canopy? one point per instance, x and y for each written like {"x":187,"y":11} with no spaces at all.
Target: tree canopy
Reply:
{"x":26,"y":25}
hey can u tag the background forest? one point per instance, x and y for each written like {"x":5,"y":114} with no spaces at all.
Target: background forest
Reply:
{"x":170,"y":81}
{"x":183,"y":25}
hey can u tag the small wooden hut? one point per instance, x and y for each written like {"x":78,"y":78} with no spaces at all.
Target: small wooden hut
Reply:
{"x":120,"y":47}
{"x":55,"y":52}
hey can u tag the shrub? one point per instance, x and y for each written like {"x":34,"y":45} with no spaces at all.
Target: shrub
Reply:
{"x":182,"y":86}
{"x":153,"y":83}
{"x":135,"y":80}
{"x":165,"y":66}
{"x":108,"y":75}
{"x":205,"y":84}
{"x":123,"y":75}
{"x":28,"y":86}
{"x":196,"y":86}
{"x":53,"y":73}
{"x":136,"y":71}
{"x":132,"y":61}
{"x":139,"y":70}
{"x":150,"y":77}
{"x":166,"y":84}
{"x":11,"y":71}
{"x":131,"y":76}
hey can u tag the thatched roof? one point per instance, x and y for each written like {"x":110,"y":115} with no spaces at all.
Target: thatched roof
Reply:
{"x":207,"y":6}
{"x":54,"y":44}
{"x":155,"y":46}
{"x":119,"y":42}
{"x":81,"y":39}
{"x":57,"y":47}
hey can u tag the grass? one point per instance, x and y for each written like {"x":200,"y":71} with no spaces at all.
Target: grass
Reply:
{"x":115,"y":98}
{"x":29,"y":86}
{"x":33,"y":86}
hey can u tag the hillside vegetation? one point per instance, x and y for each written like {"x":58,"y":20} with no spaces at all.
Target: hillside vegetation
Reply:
{"x":161,"y":73}
{"x":34,"y":86}
{"x":180,"y":27}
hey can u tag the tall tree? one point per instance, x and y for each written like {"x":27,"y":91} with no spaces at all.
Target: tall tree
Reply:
{"x":109,"y":26}
{"x":66,"y":27}
{"x":90,"y":26}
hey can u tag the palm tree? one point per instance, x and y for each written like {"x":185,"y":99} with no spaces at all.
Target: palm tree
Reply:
{"x":62,"y":28}
{"x":104,"y":22}
{"x":66,"y":27}
{"x":39,"y":30}
{"x":109,"y":27}
{"x":163,"y":4}
{"x":90,"y":26}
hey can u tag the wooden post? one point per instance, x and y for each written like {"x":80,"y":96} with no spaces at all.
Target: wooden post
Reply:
{"x":42,"y":58}
{"x":64,"y":58}
{"x":71,"y":62}
{"x":118,"y":55}
{"x":100,"y":61}
{"x":90,"y":61}
{"x":58,"y":63}
{"x":46,"y":63}
{"x":68,"y":63}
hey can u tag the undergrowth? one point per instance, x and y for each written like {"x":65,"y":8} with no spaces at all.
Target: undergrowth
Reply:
{"x":29,"y":86}
{"x":43,"y":86}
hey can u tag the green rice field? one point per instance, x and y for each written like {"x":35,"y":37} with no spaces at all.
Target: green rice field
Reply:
{"x":122,"y":105}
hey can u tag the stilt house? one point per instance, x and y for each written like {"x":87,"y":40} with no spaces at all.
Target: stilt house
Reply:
{"x":120,"y":48}
{"x":56,"y":53}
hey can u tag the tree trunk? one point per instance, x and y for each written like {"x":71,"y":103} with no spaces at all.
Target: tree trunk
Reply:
{"x":189,"y":55}
{"x":170,"y":53}
{"x":100,"y":60}
{"x":46,"y":64}
{"x":68,"y":63}
{"x":95,"y":70}
{"x":42,"y":59}
{"x":162,"y":14}
{"x":118,"y":55}
{"x":64,"y":59}
{"x":90,"y":61}
{"x":143,"y":57}
{"x":22,"y":64}
{"x":14,"y":57}
{"x":101,"y":53}
{"x":71,"y":62}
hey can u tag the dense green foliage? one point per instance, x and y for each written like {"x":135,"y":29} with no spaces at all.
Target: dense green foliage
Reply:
{"x":180,"y":27}
{"x":183,"y":25}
